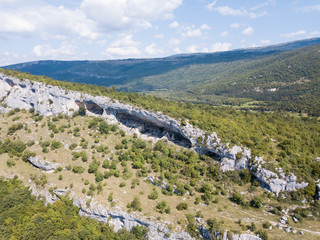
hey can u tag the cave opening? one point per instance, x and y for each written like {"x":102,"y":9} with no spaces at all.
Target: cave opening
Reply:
{"x":152,"y":129}
{"x":208,"y":152}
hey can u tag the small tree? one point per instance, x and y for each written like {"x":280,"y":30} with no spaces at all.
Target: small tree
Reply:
{"x":82,"y":110}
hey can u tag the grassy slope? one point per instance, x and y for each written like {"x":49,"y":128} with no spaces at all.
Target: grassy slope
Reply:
{"x":222,"y":208}
{"x":282,"y":139}
{"x":295,"y":75}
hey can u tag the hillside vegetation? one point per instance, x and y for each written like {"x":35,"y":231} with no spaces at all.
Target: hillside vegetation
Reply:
{"x":101,"y":161}
{"x":281,"y":77}
{"x":22,"y":216}
{"x":283,"y":139}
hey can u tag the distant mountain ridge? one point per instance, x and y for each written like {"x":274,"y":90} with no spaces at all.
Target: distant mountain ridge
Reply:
{"x":122,"y":72}
{"x":277,"y":77}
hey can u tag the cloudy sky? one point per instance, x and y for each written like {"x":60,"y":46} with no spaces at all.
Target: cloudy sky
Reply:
{"x":116,"y":29}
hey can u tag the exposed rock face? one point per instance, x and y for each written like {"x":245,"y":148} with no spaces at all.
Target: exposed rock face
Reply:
{"x":238,"y":236}
{"x":52,"y":100}
{"x":245,"y":237}
{"x":120,"y":219}
{"x":273,"y":181}
{"x":43,"y":193}
{"x":42,"y":164}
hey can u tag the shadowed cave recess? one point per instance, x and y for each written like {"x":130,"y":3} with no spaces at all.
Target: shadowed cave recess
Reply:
{"x":150,"y":127}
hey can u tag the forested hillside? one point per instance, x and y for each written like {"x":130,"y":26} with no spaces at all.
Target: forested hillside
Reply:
{"x":22,"y":216}
{"x":102,"y":162}
{"x":282,"y":77}
{"x":294,"y":142}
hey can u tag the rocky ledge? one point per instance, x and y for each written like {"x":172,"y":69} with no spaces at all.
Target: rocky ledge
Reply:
{"x":51,"y":100}
{"x":42,"y":164}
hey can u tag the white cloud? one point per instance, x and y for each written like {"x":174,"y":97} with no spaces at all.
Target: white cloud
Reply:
{"x":310,"y":8}
{"x":7,"y":58}
{"x":216,"y":47}
{"x":47,"y":51}
{"x":224,"y":34}
{"x":46,"y":20}
{"x":211,"y":5}
{"x":177,"y":50}
{"x":256,"y":15}
{"x":228,"y":11}
{"x":264,"y":4}
{"x":174,"y":42}
{"x":293,"y":34}
{"x":235,"y":25}
{"x":248,"y":31}
{"x":122,"y":14}
{"x":158,"y":36}
{"x":124,"y":46}
{"x":153,"y":49}
{"x":192,"y":49}
{"x":205,"y":27}
{"x":192,"y":32}
{"x":219,"y":47}
{"x":89,"y":20}
{"x":314,"y":33}
{"x":13,"y":24}
{"x":265,"y":42}
{"x":174,"y":24}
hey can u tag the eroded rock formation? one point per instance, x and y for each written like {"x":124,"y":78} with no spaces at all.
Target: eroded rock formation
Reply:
{"x":51,"y":100}
{"x":42,"y":164}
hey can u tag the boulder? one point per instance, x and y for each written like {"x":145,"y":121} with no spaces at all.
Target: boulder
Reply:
{"x":42,"y":164}
{"x":295,"y":220}
{"x":283,"y":220}
{"x":120,"y":219}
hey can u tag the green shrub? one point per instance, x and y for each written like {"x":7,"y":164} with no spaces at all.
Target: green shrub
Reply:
{"x":182,"y":206}
{"x":10,"y":163}
{"x":135,"y":205}
{"x":15,"y":127}
{"x":153,"y":195}
{"x":78,"y":169}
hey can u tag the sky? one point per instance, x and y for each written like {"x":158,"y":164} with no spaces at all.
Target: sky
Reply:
{"x":119,"y":29}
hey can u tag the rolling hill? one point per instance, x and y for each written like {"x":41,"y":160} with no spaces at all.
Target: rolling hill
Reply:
{"x":278,"y":77}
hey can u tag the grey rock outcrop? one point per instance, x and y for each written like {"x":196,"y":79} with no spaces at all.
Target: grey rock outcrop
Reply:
{"x":275,"y":182}
{"x":42,"y":164}
{"x":51,"y":100}
{"x":120,"y":219}
{"x":43,"y":194}
{"x":245,"y":237}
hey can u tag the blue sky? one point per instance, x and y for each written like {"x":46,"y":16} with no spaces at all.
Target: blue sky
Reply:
{"x":116,"y":29}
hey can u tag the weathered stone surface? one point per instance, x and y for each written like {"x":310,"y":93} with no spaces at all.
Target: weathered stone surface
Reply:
{"x":120,"y":219}
{"x":42,"y":164}
{"x":275,"y":182}
{"x":245,"y":237}
{"x":51,"y":100}
{"x":61,"y":191}
{"x":227,"y":164}
{"x":43,"y":193}
{"x":288,"y":229}
{"x":295,"y":220}
{"x":239,"y":236}
{"x":283,"y":220}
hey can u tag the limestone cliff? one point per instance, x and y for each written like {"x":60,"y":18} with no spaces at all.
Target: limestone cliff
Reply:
{"x":51,"y":100}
